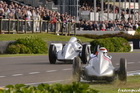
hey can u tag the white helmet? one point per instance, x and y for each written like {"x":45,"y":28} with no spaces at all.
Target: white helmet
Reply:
{"x":103,"y":49}
{"x":73,"y":39}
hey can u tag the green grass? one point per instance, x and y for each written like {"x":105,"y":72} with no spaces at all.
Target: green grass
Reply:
{"x":133,"y":82}
{"x":44,"y":36}
{"x":15,"y":55}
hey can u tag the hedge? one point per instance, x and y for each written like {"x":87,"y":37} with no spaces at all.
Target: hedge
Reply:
{"x":121,"y":34}
{"x":27,"y":45}
{"x":115,"y":44}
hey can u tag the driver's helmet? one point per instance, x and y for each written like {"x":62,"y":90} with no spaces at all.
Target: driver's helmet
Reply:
{"x":73,"y":39}
{"x":103,"y":50}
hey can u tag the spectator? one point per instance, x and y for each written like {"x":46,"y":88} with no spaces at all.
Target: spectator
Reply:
{"x":46,"y":18}
{"x":53,"y":23}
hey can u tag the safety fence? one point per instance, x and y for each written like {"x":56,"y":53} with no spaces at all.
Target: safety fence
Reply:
{"x":10,"y":26}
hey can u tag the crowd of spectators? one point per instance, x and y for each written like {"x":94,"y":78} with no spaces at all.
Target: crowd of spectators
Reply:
{"x":116,"y":25}
{"x":24,"y":12}
{"x":121,"y":24}
{"x":89,"y":6}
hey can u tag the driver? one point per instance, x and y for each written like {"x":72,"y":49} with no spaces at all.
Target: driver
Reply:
{"x":75,"y":43}
{"x":103,"y":50}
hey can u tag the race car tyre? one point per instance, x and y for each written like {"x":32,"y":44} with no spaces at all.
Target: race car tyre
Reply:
{"x":52,"y":55}
{"x":122,"y":73}
{"x":85,"y":53}
{"x":111,"y":79}
{"x":76,"y":69}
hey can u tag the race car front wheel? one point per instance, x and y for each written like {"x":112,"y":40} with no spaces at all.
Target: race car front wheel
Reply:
{"x":85,"y":53}
{"x":52,"y":54}
{"x":76,"y":69}
{"x":122,"y":73}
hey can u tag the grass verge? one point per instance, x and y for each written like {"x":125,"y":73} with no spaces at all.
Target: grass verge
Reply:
{"x":46,"y":37}
{"x":133,"y":83}
{"x":16,"y":55}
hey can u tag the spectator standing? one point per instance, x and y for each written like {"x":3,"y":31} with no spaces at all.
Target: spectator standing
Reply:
{"x":34,"y":15}
{"x":18,"y":16}
{"x":11,"y":17}
{"x":1,"y":12}
{"x":46,"y":19}
{"x":95,"y":26}
{"x":6,"y":12}
{"x":58,"y":24}
{"x":28,"y":18}
{"x":38,"y":18}
{"x":53,"y":23}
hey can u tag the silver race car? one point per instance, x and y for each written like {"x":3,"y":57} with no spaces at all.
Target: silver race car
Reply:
{"x":99,"y":67}
{"x":70,"y":50}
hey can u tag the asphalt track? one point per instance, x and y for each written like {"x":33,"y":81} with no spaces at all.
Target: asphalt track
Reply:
{"x":37,"y":69}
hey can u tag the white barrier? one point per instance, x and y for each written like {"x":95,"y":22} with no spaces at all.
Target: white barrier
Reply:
{"x":103,"y":32}
{"x":131,"y":45}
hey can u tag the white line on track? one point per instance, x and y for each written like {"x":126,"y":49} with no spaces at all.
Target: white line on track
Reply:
{"x":133,"y":74}
{"x":127,"y":63}
{"x":47,"y":82}
{"x":133,"y":71}
{"x":16,"y":57}
{"x":2,"y":76}
{"x":34,"y":72}
{"x":17,"y":75}
{"x":130,"y":62}
{"x":51,"y":71}
{"x":67,"y":69}
{"x":117,"y":64}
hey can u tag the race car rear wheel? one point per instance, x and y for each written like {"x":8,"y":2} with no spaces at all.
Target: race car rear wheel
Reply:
{"x":76,"y":69}
{"x":85,"y":53}
{"x":122,"y":73}
{"x":110,"y":79}
{"x":52,"y":55}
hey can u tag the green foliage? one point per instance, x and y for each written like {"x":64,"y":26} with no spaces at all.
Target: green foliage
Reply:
{"x":75,"y":87}
{"x":138,"y":30}
{"x":18,"y":49}
{"x":115,"y":44}
{"x":36,"y":45}
{"x":121,"y":34}
{"x":13,"y":49}
{"x":28,"y":45}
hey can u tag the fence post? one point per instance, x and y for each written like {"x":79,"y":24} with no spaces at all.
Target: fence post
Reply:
{"x":9,"y":26}
{"x":62,"y":28}
{"x":40,"y":26}
{"x":25,"y":26}
{"x":33,"y":26}
{"x":0,"y":26}
{"x":74,"y":29}
{"x":68,"y":29}
{"x":17,"y":27}
{"x":47,"y":26}
{"x":55,"y":27}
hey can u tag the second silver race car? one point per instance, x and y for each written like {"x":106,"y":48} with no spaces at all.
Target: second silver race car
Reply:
{"x":70,"y":50}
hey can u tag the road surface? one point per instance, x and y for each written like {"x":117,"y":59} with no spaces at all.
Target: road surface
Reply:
{"x":37,"y":69}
